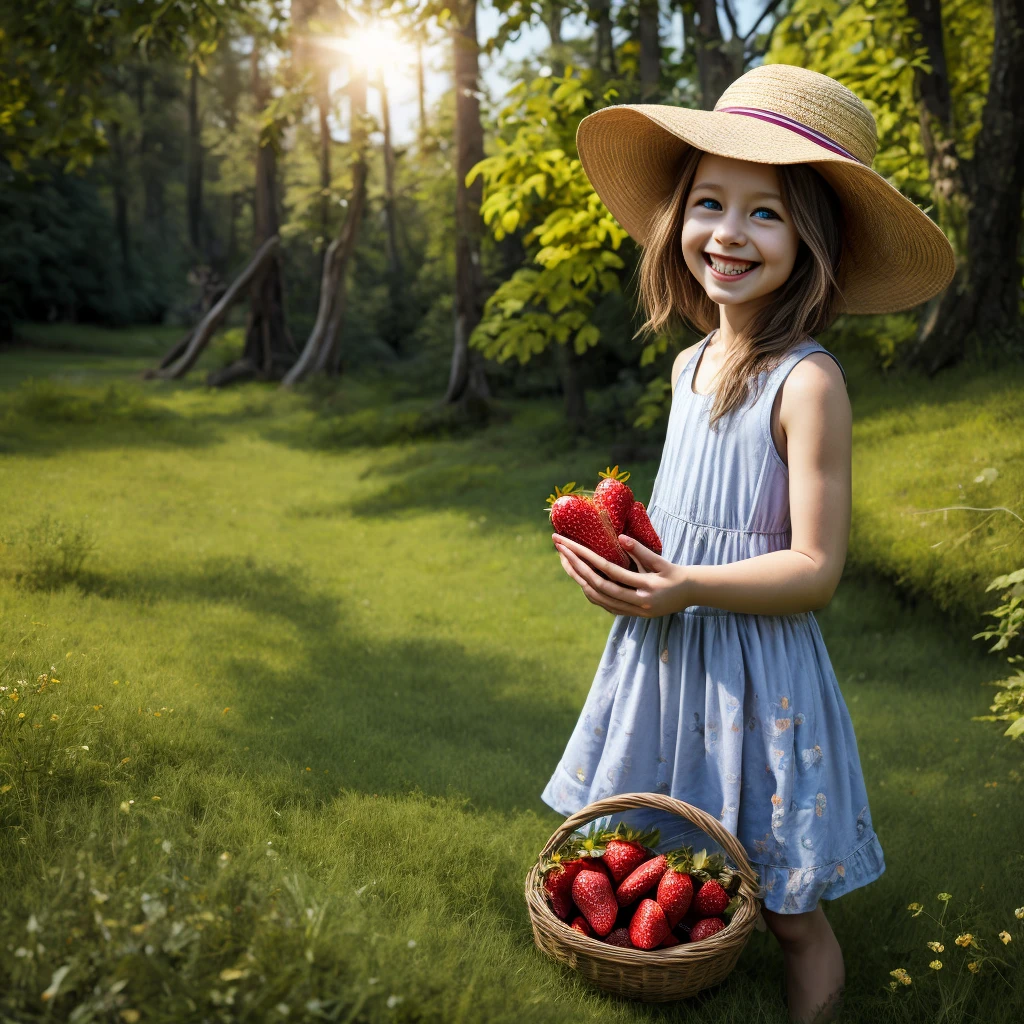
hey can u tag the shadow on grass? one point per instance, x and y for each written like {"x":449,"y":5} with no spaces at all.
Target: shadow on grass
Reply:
{"x":386,"y":717}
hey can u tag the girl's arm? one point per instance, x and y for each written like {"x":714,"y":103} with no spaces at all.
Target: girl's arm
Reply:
{"x":816,"y":417}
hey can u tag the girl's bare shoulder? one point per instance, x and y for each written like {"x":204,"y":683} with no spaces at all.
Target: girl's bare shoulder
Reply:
{"x":681,"y":360}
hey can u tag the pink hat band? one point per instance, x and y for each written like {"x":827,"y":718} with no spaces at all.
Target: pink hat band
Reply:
{"x":794,"y":126}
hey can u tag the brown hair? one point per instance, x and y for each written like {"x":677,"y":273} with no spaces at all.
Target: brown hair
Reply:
{"x":808,"y":302}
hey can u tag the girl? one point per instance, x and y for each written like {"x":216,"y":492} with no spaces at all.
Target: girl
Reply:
{"x":715,"y":685}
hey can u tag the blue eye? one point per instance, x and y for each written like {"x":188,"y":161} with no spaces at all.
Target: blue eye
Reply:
{"x":773,"y":214}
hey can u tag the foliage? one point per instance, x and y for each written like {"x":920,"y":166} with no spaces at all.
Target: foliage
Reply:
{"x":1008,"y":703}
{"x":535,"y":183}
{"x":56,"y":54}
{"x":873,"y":47}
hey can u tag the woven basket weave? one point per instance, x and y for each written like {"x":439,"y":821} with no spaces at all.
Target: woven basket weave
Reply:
{"x":658,"y":975}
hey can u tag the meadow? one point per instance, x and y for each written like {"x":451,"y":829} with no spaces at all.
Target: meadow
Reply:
{"x":283,"y":682}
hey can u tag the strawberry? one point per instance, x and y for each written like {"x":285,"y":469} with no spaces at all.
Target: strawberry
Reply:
{"x":614,"y":497}
{"x":626,"y":850}
{"x":710,"y":898}
{"x":669,"y":940}
{"x":639,"y":881}
{"x":649,"y":926}
{"x":577,"y":517}
{"x":705,"y":927}
{"x":638,"y":526}
{"x":675,"y":889}
{"x":594,"y":864}
{"x":620,"y":937}
{"x":580,"y":925}
{"x":592,"y":893}
{"x":558,"y":884}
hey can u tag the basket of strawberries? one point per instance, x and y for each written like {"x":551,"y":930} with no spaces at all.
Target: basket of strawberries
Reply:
{"x":647,"y":925}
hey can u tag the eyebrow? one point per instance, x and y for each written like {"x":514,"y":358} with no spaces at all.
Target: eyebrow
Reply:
{"x":753,"y":195}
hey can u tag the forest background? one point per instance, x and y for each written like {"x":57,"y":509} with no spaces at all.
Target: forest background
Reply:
{"x":246,"y":321}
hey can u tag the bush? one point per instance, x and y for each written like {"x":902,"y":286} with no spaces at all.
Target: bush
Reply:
{"x":52,"y":551}
{"x":1008,"y":704}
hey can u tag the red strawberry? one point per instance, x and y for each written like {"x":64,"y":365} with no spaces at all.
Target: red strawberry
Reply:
{"x":669,"y":940}
{"x":580,"y":925}
{"x":711,"y":898}
{"x":639,"y":881}
{"x":614,"y":497}
{"x":675,"y":890}
{"x":594,"y":864}
{"x":592,"y":893}
{"x":638,"y":526}
{"x":620,"y":937}
{"x":626,"y":850}
{"x":558,"y":884}
{"x":577,"y":517}
{"x":649,"y":926}
{"x":705,"y":927}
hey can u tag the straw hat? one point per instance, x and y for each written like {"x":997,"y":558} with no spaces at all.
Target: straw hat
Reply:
{"x":777,"y":114}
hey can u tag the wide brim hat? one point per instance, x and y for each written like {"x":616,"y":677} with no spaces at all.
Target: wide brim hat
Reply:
{"x":897,"y":256}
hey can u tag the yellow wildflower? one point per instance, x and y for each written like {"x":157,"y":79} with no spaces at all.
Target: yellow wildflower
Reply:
{"x":13,"y":695}
{"x":964,"y":940}
{"x":901,"y":976}
{"x":974,"y":966}
{"x":54,"y":718}
{"x":936,"y":965}
{"x":226,"y":710}
{"x":916,"y":908}
{"x":936,"y":947}
{"x":22,"y":714}
{"x":1005,"y":937}
{"x":945,"y":896}
{"x":6,"y":787}
{"x":155,"y":798}
{"x":1019,"y":912}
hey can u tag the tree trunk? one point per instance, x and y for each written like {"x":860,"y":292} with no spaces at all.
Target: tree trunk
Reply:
{"x":467,"y":382}
{"x":714,"y":65}
{"x":322,"y":350}
{"x":323,"y":102}
{"x":938,"y":132}
{"x":650,"y":51}
{"x":554,"y":17}
{"x":601,"y":15}
{"x":194,"y":166}
{"x":118,"y":180}
{"x":268,"y":343}
{"x":569,"y":366}
{"x":982,"y":305}
{"x":421,"y":91}
{"x":180,"y":359}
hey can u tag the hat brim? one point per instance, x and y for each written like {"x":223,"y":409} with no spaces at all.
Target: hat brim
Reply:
{"x":898,"y":256}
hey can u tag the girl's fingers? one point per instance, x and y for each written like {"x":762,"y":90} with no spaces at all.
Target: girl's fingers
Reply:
{"x":599,"y":587}
{"x":592,"y":558}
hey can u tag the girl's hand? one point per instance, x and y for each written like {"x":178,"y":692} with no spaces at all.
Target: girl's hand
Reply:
{"x":659,"y":590}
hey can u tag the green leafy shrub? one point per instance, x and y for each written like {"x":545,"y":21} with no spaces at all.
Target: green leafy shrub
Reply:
{"x":1008,"y":704}
{"x":50,"y":552}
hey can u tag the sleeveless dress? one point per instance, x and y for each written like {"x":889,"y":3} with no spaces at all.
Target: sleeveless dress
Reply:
{"x":736,"y":713}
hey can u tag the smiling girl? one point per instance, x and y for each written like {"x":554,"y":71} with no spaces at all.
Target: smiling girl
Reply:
{"x":760,"y":222}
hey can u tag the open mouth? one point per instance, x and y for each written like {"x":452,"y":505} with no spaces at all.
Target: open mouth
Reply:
{"x":729,"y":270}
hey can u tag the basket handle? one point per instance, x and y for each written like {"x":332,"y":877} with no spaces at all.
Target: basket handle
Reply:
{"x":628,"y":801}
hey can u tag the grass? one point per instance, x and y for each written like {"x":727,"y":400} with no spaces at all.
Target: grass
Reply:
{"x":310,"y":689}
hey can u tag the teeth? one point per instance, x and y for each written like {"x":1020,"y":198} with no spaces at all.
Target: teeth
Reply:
{"x":729,"y":268}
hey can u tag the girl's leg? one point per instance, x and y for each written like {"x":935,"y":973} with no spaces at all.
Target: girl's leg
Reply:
{"x":814,"y":964}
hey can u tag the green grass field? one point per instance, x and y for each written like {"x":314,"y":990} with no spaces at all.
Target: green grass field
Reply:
{"x":310,"y":690}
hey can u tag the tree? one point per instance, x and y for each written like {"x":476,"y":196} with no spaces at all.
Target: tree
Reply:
{"x":467,"y":382}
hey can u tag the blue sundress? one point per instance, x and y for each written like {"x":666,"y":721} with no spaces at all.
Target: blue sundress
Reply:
{"x":738,"y":714}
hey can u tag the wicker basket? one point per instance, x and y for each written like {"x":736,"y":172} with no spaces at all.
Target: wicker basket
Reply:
{"x":657,"y":975}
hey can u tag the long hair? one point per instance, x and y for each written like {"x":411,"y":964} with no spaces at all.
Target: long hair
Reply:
{"x":808,"y":302}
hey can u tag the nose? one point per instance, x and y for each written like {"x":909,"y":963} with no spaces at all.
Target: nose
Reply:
{"x":729,"y":232}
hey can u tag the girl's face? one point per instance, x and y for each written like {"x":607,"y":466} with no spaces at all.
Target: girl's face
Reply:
{"x":734,"y":218}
